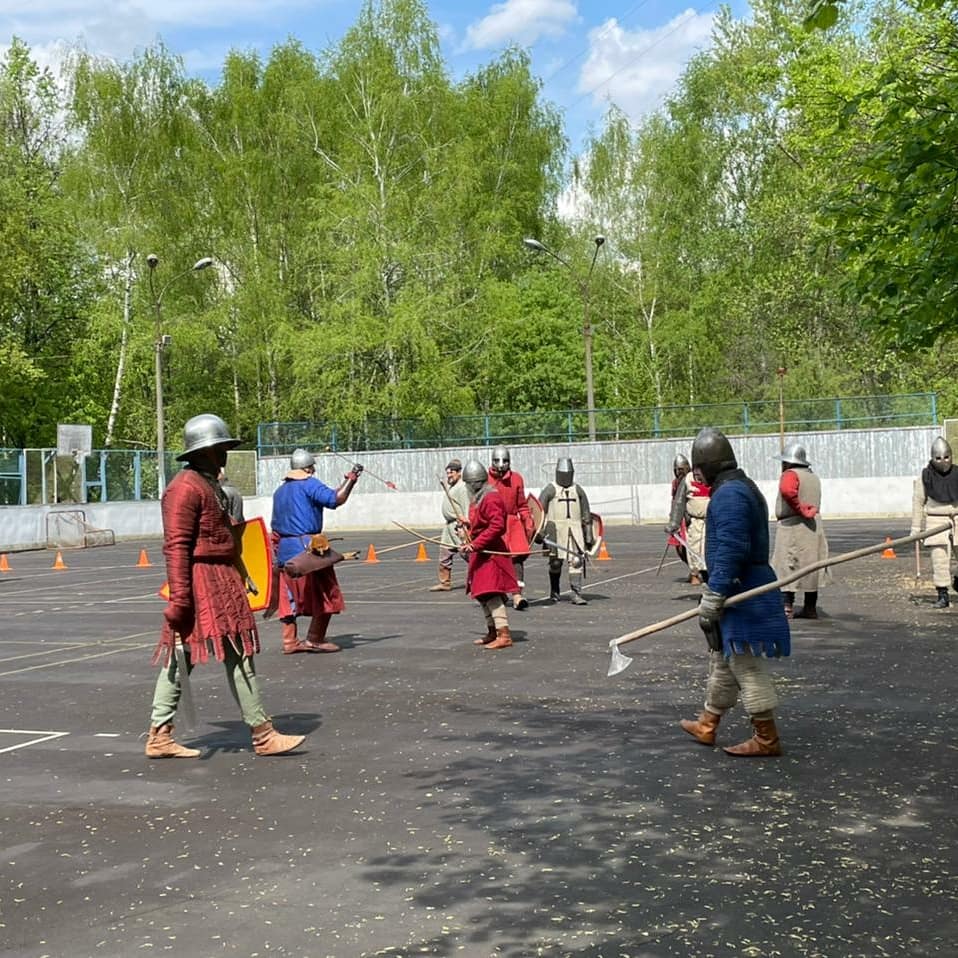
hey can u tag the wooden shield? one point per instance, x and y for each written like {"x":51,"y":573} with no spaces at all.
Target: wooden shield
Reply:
{"x":254,"y":562}
{"x":598,"y":532}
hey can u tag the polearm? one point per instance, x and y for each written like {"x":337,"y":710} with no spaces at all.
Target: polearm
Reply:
{"x":778,"y":583}
{"x":462,"y":526}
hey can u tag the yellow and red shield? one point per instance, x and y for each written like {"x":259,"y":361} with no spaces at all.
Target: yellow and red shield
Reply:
{"x":254,"y":562}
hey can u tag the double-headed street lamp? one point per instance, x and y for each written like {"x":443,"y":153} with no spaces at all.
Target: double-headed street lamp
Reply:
{"x":584,"y":290}
{"x":160,"y":344}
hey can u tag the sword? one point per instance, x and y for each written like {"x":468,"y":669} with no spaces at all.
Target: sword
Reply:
{"x":576,"y":558}
{"x":668,"y":546}
{"x":689,"y":550}
{"x":186,"y":690}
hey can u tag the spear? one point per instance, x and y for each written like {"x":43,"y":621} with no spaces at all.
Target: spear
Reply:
{"x":621,"y":662}
{"x":366,"y":472}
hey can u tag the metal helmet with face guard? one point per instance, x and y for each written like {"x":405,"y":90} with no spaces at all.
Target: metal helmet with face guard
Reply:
{"x":565,"y":472}
{"x":501,"y":461}
{"x":941,"y":455}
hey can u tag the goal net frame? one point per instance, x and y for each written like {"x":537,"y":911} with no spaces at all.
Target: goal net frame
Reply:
{"x":68,"y":529}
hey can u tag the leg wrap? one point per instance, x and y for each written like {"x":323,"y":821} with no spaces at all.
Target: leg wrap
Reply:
{"x":941,"y":566}
{"x":721,"y":691}
{"x":241,"y":676}
{"x":166,"y":695}
{"x":494,"y":608}
{"x":755,"y":681}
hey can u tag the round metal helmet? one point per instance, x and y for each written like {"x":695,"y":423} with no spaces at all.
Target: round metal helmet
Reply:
{"x":501,"y":460}
{"x":712,"y":453}
{"x":301,"y":459}
{"x":474,"y":475}
{"x":794,"y":454}
{"x":680,"y":465}
{"x":204,"y":432}
{"x":565,"y":472}
{"x":941,"y":455}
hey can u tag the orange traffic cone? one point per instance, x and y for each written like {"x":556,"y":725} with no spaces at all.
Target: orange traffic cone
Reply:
{"x":371,"y":554}
{"x":144,"y":561}
{"x":603,"y":555}
{"x":889,"y":552}
{"x":58,"y":562}
{"x":4,"y":563}
{"x":421,"y":554}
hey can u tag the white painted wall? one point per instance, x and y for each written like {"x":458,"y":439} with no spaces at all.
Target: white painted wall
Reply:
{"x":24,"y":527}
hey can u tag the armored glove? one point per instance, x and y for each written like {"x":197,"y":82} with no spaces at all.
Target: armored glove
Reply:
{"x":354,"y":472}
{"x":670,"y":530}
{"x":711,"y":606}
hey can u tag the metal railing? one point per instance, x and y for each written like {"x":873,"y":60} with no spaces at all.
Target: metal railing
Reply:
{"x":572,"y":425}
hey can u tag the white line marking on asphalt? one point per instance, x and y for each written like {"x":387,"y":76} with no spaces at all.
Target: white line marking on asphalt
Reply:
{"x":44,"y":737}
{"x":82,"y":658}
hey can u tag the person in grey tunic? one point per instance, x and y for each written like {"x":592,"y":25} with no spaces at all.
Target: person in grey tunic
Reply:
{"x":799,"y":536}
{"x":455,"y":510}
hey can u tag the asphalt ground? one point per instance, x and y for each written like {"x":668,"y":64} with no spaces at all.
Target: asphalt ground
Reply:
{"x":455,"y":801}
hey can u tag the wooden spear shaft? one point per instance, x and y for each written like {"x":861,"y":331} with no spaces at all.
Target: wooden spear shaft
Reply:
{"x":778,"y":583}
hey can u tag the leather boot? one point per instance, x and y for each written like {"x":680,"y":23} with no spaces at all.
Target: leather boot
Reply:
{"x":703,"y":728}
{"x":764,"y":741}
{"x":943,"y":601}
{"x":808,"y":610}
{"x":316,"y":637}
{"x":160,"y":744}
{"x":267,"y":741}
{"x":291,"y":643}
{"x":502,"y":640}
{"x":789,"y":599}
{"x":555,"y":587}
{"x":490,"y":636}
{"x":445,"y":581}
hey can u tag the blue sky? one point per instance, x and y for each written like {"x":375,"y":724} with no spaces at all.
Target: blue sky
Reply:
{"x":587,"y":52}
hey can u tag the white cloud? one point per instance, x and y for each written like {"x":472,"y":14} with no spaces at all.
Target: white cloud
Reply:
{"x":116,"y":28}
{"x":522,"y":22}
{"x":636,"y":69}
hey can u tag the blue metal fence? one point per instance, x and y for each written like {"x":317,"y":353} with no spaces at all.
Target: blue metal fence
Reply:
{"x":572,"y":425}
{"x":29,"y":476}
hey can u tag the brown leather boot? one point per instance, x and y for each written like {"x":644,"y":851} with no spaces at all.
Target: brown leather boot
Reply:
{"x":291,"y":643}
{"x":703,"y":728}
{"x":764,"y":741}
{"x":445,"y":581}
{"x":502,"y":640}
{"x":490,"y":636}
{"x":316,"y":637}
{"x":267,"y":741}
{"x":160,"y":744}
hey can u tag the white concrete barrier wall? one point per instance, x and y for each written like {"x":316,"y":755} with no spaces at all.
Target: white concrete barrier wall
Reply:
{"x":24,"y":527}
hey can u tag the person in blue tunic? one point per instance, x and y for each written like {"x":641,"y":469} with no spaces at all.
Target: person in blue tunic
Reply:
{"x":298,"y":506}
{"x":742,"y":637}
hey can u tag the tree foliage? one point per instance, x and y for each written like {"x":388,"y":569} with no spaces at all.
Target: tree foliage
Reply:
{"x":791,"y":205}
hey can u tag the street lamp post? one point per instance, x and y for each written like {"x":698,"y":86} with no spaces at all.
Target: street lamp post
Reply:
{"x":585,"y":292}
{"x":160,"y":343}
{"x":781,"y":406}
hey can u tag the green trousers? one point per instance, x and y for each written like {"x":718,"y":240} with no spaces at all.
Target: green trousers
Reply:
{"x":240,"y":674}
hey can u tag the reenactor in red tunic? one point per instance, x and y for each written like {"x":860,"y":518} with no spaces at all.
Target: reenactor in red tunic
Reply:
{"x":208,"y":611}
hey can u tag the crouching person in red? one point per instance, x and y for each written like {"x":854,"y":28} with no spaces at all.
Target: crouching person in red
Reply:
{"x":207,"y":610}
{"x":490,"y":578}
